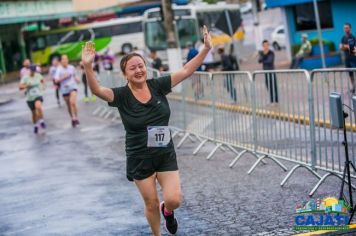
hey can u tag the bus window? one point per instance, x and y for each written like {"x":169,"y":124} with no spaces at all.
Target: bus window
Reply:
{"x":129,"y":28}
{"x":155,"y":36}
{"x":40,"y":43}
{"x":68,"y":37}
{"x":84,"y":35}
{"x":209,"y":18}
{"x":187,"y":32}
{"x":103,"y":32}
{"x":134,"y":27}
{"x":177,"y":13}
{"x":52,"y":39}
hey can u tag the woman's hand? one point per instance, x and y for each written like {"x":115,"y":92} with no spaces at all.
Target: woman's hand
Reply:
{"x":88,"y":53}
{"x":207,"y":38}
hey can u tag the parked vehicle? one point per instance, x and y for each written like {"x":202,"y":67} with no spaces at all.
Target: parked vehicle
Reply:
{"x":279,"y":38}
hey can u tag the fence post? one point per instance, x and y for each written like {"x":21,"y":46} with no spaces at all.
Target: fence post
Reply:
{"x":254,"y":117}
{"x":211,"y":78}
{"x":184,"y":97}
{"x":311,"y":118}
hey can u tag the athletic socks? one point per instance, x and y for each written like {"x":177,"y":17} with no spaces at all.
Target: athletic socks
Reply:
{"x":167,"y":213}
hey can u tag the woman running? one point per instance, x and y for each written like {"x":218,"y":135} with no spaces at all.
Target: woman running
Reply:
{"x":145,"y":113}
{"x":34,"y":85}
{"x":68,"y":80}
{"x":51,"y":74}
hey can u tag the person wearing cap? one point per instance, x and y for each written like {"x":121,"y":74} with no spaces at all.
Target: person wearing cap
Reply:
{"x":34,"y":84}
{"x":304,"y":51}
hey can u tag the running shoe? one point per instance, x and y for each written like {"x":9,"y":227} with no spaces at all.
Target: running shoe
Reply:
{"x":35,"y":130}
{"x":86,"y":99}
{"x":93,"y":98}
{"x":43,"y":125}
{"x":171,"y":222}
{"x":75,"y":123}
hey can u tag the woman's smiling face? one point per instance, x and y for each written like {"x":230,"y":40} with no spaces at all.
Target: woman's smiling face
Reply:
{"x":135,"y":70}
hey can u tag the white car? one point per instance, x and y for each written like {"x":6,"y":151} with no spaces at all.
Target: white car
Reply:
{"x":278,"y":38}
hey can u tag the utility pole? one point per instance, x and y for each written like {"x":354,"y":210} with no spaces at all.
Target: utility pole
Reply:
{"x":257,"y":27}
{"x":173,"y":51}
{"x":318,"y":27}
{"x":168,"y":23}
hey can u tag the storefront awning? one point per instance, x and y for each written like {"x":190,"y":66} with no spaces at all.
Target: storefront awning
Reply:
{"x":283,"y":3}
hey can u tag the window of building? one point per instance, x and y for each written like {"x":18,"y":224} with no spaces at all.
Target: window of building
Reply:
{"x":305,"y":17}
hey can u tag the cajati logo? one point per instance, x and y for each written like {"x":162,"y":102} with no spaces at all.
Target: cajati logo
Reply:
{"x":329,"y":213}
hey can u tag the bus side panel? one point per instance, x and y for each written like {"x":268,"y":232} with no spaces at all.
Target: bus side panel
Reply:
{"x":73,"y":50}
{"x":136,"y":40}
{"x":41,"y":57}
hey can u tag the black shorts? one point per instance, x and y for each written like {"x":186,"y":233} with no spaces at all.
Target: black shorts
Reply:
{"x":67,"y":94}
{"x":31,"y":104}
{"x":142,"y":168}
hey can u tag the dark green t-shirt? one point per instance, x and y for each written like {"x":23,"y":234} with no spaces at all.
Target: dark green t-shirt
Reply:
{"x":136,"y":116}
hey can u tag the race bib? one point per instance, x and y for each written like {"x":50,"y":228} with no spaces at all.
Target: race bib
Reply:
{"x":34,"y":92}
{"x":158,"y":136}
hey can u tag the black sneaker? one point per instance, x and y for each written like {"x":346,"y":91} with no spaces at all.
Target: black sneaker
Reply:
{"x":171,"y":222}
{"x":43,"y":125}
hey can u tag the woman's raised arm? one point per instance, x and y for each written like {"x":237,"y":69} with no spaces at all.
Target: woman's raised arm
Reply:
{"x":189,"y":68}
{"x":88,"y":55}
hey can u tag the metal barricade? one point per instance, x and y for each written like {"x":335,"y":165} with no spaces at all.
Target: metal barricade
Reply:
{"x":109,"y":79}
{"x":191,"y":108}
{"x":330,"y":153}
{"x":233,"y":113}
{"x":153,"y":73}
{"x":283,"y":126}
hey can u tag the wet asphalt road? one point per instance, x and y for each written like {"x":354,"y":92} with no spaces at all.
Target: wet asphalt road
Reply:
{"x":72,"y":182}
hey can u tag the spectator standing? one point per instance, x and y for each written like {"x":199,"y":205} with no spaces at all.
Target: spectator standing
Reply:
{"x":156,"y":61}
{"x":266,"y":57}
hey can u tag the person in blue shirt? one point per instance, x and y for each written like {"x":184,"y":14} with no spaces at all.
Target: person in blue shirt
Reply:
{"x":192,"y":52}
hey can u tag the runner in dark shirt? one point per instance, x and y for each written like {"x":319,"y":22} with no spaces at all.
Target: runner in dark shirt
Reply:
{"x":145,"y":113}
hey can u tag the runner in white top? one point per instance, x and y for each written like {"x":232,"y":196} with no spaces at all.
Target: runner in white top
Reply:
{"x":25,"y":70}
{"x":68,"y":80}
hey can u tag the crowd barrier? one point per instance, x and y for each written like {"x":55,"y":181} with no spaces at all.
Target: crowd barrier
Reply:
{"x":279,"y":115}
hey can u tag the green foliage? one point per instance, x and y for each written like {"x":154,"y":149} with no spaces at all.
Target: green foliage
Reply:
{"x":314,"y":41}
